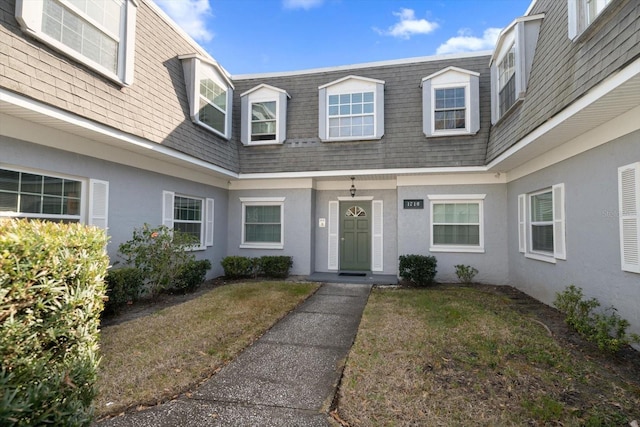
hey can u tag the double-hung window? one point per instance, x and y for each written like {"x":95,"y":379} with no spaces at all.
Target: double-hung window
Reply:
{"x":98,"y":33}
{"x":210,"y":93}
{"x":457,"y":223}
{"x":450,"y":102}
{"x":511,"y":64}
{"x":351,"y":109}
{"x":262,"y":222}
{"x":263,"y":121}
{"x":507,"y":81}
{"x":541,"y":224}
{"x":351,"y":115}
{"x":582,"y":13}
{"x":264,"y":115}
{"x":450,"y":109}
{"x":189,"y":215}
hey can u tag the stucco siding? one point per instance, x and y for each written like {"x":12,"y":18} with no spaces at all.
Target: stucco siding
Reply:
{"x":135,"y":195}
{"x":414,"y":231}
{"x":296,"y":224}
{"x":592,"y":230}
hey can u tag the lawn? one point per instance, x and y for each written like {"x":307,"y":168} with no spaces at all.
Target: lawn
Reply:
{"x":461,"y":356}
{"x":153,"y":358}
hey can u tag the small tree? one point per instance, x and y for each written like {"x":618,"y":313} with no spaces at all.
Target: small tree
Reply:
{"x":159,"y":253}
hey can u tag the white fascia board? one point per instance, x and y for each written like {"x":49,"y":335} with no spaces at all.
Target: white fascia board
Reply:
{"x":101,"y":130}
{"x":404,"y":61}
{"x":352,"y":77}
{"x":530,"y":8}
{"x":450,"y":68}
{"x":580,"y":104}
{"x":363,"y":172}
{"x":276,"y":184}
{"x":210,"y":61}
{"x":503,"y":34}
{"x":265,"y":86}
{"x":620,"y":126}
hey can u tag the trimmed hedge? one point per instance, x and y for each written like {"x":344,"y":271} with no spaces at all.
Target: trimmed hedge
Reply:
{"x":191,"y":275}
{"x":275,"y":267}
{"x":123,"y":285}
{"x":52,"y":291}
{"x":240,"y":267}
{"x":418,"y":269}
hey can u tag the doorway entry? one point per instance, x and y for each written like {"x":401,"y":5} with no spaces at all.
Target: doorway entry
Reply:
{"x":355,"y":236}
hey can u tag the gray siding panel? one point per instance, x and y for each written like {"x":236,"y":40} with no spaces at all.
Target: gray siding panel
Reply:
{"x":563,"y":70}
{"x":154,"y":107}
{"x":403,"y":145}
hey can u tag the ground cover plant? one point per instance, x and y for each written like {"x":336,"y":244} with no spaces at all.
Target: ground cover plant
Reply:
{"x":454,"y":355}
{"x":153,"y":358}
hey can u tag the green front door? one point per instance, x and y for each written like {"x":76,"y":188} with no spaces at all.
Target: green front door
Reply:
{"x":355,"y":236}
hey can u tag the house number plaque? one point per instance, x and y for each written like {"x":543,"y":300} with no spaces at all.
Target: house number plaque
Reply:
{"x":414,"y":204}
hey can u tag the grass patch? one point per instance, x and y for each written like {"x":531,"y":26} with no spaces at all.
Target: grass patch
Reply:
{"x":151,"y":359}
{"x":459,"y":356}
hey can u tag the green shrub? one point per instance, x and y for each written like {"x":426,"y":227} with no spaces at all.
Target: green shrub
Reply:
{"x":606,"y":328}
{"x":275,"y":267}
{"x":191,"y":275}
{"x":418,"y":269}
{"x":465,"y":273}
{"x":238,"y":267}
{"x":123,"y":285}
{"x":159,"y":253}
{"x":51,"y":292}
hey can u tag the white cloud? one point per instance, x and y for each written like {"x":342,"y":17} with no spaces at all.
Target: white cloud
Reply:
{"x":190,"y":15}
{"x":301,"y":4}
{"x":408,"y":25}
{"x":465,"y":42}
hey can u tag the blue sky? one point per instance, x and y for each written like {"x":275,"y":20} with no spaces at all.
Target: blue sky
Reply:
{"x":260,"y":36}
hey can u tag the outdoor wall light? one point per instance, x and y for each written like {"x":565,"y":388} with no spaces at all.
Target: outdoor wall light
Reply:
{"x":352,"y":190}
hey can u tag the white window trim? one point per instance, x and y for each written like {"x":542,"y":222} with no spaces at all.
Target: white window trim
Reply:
{"x":207,"y":217}
{"x":467,"y":110}
{"x":577,"y":16}
{"x":352,"y":138}
{"x":559,"y":225}
{"x":262,"y":201}
{"x":457,"y":198}
{"x":349,"y":85}
{"x":193,"y":64}
{"x":83,"y":218}
{"x":259,"y":94}
{"x":531,"y":223}
{"x":276,"y":136}
{"x":29,"y":16}
{"x":629,"y":213}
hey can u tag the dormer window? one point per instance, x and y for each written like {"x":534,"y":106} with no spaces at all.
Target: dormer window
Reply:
{"x":582,"y":13}
{"x":99,"y":34}
{"x":210,"y":94}
{"x":264,"y":115}
{"x":450,"y":102}
{"x":351,"y":108}
{"x":511,"y":64}
{"x":507,"y":80}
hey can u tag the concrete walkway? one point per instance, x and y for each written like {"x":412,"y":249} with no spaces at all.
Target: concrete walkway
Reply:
{"x":286,"y":378}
